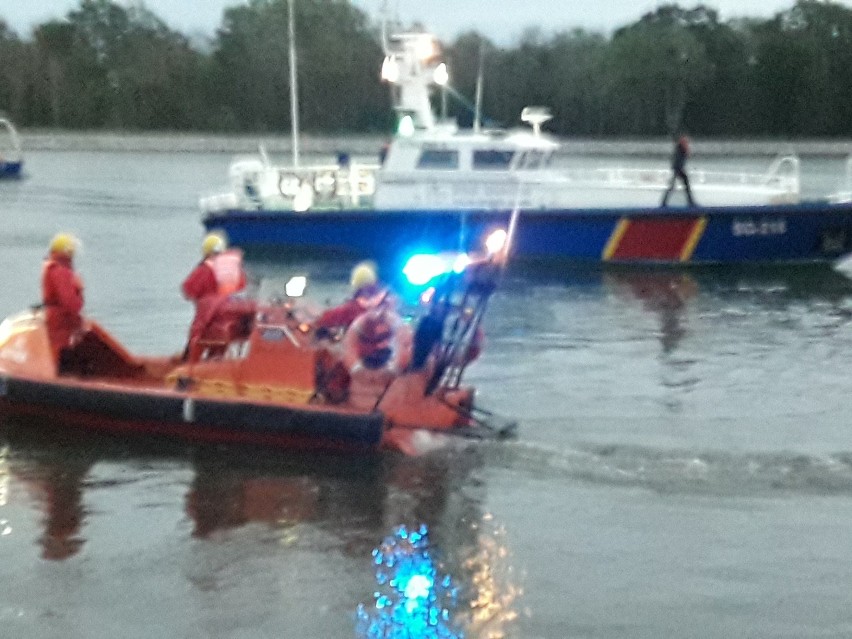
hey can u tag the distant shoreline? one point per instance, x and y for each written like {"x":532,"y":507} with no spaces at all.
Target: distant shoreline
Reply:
{"x":164,"y":142}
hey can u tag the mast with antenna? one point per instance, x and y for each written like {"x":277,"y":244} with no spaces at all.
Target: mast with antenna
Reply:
{"x":294,"y":93}
{"x":477,"y":113}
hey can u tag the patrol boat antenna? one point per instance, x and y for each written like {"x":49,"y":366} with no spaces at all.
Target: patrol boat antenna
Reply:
{"x":294,"y":94}
{"x":477,"y":113}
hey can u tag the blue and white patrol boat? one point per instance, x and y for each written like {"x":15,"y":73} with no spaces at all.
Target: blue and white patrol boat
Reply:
{"x":438,"y":187}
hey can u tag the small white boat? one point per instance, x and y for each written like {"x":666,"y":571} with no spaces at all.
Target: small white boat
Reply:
{"x":11,"y":159}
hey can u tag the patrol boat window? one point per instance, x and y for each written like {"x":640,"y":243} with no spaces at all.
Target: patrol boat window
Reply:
{"x":532,"y":160}
{"x":438,"y":159}
{"x":492,"y":159}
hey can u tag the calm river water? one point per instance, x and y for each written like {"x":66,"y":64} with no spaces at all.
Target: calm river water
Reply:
{"x":683,"y":466}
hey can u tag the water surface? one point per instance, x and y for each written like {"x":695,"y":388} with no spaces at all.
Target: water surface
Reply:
{"x":683,"y":466}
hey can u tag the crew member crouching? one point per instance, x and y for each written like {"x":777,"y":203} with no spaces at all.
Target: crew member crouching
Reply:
{"x":367,"y":293}
{"x":376,"y":349}
{"x":335,"y":324}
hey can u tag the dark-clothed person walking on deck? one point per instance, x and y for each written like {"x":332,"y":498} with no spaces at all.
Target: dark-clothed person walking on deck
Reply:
{"x":679,"y":156}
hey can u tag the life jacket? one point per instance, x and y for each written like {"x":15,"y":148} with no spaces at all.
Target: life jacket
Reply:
{"x":227,"y":268}
{"x":370,"y":297}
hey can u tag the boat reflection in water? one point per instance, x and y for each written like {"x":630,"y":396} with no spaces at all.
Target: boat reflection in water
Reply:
{"x":442,"y":569}
{"x":55,"y":484}
{"x":682,"y":300}
{"x":298,"y":501}
{"x":663,"y":293}
{"x":286,"y":494}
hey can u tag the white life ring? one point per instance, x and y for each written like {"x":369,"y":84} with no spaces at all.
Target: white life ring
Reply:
{"x":377,"y":340}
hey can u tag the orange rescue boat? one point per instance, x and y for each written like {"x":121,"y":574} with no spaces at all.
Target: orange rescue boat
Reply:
{"x":266,"y":380}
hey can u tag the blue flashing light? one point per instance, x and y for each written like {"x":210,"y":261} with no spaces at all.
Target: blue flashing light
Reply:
{"x":415,"y":603}
{"x":418,"y":587}
{"x":421,"y":269}
{"x":461,"y":262}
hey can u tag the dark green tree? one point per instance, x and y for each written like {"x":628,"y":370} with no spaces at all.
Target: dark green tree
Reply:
{"x":107,"y":65}
{"x":655,"y":67}
{"x":801,"y":70}
{"x":17,"y":68}
{"x":465,"y":56}
{"x":576,"y":74}
{"x":338,"y":58}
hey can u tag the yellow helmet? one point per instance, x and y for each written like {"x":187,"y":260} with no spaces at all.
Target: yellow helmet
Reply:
{"x":364,"y":274}
{"x":213,"y":243}
{"x":63,"y":244}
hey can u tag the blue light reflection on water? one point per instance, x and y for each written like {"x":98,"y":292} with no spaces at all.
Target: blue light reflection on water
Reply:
{"x":413,"y":598}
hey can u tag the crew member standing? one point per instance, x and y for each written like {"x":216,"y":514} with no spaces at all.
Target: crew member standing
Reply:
{"x":210,"y":286}
{"x":679,"y":156}
{"x":62,"y":296}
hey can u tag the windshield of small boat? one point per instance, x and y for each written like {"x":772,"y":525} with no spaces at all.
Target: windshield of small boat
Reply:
{"x":9,"y":148}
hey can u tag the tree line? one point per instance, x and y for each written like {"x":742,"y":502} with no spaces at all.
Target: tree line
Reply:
{"x":106,"y":66}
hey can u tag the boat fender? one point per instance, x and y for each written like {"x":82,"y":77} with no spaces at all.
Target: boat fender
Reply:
{"x":189,"y":410}
{"x":376,"y":340}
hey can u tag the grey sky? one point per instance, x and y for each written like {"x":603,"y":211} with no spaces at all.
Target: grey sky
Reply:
{"x":446,"y":18}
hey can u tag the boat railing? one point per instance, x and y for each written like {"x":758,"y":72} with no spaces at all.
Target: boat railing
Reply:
{"x":257,"y":185}
{"x":844,"y":195}
{"x":784,"y":172}
{"x":782,"y":176}
{"x":849,"y":173}
{"x":330,"y":185}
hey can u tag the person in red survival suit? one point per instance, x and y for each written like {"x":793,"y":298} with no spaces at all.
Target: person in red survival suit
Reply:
{"x":211,"y":285}
{"x":62,"y":296}
{"x":367,"y":293}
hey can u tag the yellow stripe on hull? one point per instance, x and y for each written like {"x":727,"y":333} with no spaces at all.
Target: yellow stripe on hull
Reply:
{"x":615,"y":238}
{"x":694,"y":238}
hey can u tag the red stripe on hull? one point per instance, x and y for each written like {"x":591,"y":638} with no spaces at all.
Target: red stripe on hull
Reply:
{"x":660,"y":239}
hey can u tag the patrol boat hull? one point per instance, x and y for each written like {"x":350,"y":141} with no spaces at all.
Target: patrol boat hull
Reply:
{"x":808,"y":232}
